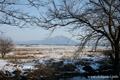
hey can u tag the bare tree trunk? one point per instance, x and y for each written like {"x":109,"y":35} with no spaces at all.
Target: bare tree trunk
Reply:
{"x":2,"y":55}
{"x":116,"y":64}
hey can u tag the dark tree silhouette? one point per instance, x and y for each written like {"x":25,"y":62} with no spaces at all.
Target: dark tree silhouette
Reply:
{"x":12,"y":14}
{"x":100,"y":19}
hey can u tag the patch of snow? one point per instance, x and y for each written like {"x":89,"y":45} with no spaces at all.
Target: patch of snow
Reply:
{"x":2,"y":63}
{"x":28,"y":65}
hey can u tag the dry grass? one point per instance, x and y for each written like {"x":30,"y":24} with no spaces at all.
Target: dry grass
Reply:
{"x":33,"y":49}
{"x":17,"y":57}
{"x":51,"y":59}
{"x":68,"y":52}
{"x":26,"y":52}
{"x":42,"y":73}
{"x":66,"y":57}
{"x":99,"y":50}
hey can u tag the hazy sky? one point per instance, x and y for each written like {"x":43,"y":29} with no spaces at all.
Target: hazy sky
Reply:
{"x":26,"y":34}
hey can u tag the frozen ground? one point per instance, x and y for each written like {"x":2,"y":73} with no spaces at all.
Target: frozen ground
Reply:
{"x":26,"y":57}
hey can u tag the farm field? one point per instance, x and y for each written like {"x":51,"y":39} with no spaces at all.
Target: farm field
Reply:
{"x":48,"y":62}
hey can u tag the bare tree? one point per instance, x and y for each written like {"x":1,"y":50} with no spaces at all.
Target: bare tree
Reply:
{"x":12,"y":14}
{"x":100,"y":19}
{"x":6,"y":45}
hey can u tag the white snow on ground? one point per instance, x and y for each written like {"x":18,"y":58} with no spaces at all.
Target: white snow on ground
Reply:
{"x":2,"y":64}
{"x":51,"y":53}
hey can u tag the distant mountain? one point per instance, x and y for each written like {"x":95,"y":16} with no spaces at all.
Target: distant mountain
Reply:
{"x":57,"y":40}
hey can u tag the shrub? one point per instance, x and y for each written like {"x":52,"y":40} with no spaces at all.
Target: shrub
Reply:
{"x":6,"y":45}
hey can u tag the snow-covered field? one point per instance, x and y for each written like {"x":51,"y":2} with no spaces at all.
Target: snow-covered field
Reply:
{"x":27,"y":57}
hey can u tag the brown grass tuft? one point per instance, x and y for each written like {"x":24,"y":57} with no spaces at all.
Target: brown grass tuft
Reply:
{"x":26,"y":52}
